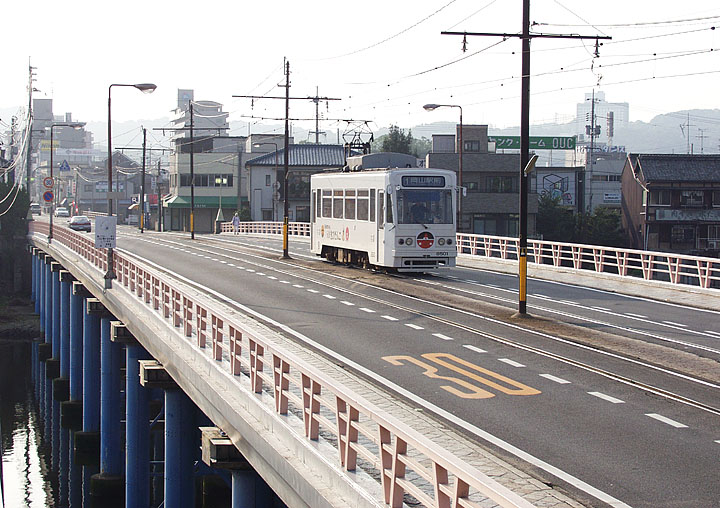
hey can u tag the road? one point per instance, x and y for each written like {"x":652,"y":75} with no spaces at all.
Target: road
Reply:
{"x":614,"y":398}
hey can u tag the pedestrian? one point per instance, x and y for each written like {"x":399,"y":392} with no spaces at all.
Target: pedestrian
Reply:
{"x":236,"y":222}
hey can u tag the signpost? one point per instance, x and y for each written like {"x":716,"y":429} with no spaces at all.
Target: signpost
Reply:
{"x":48,"y":182}
{"x":48,"y":196}
{"x":105,"y":228}
{"x":536,"y":142}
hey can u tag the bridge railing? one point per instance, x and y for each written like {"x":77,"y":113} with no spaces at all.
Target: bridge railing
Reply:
{"x":365,"y":436}
{"x":698,"y":271}
{"x":268,"y":228}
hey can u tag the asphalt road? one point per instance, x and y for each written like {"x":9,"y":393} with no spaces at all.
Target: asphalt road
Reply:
{"x":619,"y":393}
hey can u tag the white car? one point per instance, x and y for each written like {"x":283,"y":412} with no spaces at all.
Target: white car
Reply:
{"x":61,"y":211}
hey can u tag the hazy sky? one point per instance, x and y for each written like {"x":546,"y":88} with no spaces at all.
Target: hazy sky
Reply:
{"x":384,"y":59}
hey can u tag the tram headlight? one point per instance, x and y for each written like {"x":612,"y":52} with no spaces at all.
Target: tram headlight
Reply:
{"x":401,"y":241}
{"x":449,"y":241}
{"x":441,"y":241}
{"x":408,"y":241}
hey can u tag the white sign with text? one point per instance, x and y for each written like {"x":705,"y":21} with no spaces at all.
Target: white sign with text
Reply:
{"x":105,"y":227}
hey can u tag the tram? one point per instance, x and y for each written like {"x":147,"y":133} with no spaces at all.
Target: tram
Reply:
{"x":395,"y":218}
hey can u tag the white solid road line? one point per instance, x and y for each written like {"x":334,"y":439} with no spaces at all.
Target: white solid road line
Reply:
{"x":664,"y":419}
{"x":675,"y":324}
{"x":607,"y":397}
{"x":555,"y":378}
{"x":640,"y":316}
{"x":511,"y":362}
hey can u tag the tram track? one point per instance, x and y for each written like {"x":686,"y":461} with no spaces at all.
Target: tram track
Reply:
{"x":299,"y":271}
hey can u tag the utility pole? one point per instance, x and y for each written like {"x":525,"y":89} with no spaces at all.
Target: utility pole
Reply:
{"x":682,"y":128}
{"x":192,"y":176}
{"x":525,"y":161}
{"x":702,"y":137}
{"x":142,"y":185}
{"x":317,"y":100}
{"x":286,"y":149}
{"x":31,"y":75}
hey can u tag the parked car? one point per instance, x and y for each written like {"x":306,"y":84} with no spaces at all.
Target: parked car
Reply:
{"x":35,"y":209}
{"x":61,"y":211}
{"x":80,"y":223}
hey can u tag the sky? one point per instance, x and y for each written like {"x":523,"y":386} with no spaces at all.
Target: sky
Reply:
{"x":383,"y":59}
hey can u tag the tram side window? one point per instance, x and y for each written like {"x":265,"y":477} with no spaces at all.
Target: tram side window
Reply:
{"x":327,"y":204}
{"x":362,"y":204}
{"x":349,"y":204}
{"x":318,"y":204}
{"x":381,"y":208}
{"x":337,"y":204}
{"x":389,"y":219}
{"x":313,"y":199}
{"x":372,"y":205}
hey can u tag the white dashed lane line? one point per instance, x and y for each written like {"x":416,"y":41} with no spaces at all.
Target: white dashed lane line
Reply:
{"x":664,"y":419}
{"x":349,"y":304}
{"x":365,"y":309}
{"x":639,"y":316}
{"x":329,"y":297}
{"x":298,"y":286}
{"x":555,"y":378}
{"x":389,"y":318}
{"x":511,"y":362}
{"x":312,"y":290}
{"x":441,"y":336}
{"x":271,"y":277}
{"x":413,"y":326}
{"x":606,"y":397}
{"x":474,"y":348}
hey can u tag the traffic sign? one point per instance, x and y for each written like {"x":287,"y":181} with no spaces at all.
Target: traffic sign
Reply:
{"x":48,"y":182}
{"x":105,"y":231}
{"x":48,"y":196}
{"x":65,"y":166}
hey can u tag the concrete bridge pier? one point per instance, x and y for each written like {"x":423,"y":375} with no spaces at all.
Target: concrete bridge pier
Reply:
{"x":52,"y":366}
{"x":87,"y":441}
{"x":61,"y":386}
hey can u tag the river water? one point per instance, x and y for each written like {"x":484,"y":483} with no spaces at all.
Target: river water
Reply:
{"x":27,"y":481}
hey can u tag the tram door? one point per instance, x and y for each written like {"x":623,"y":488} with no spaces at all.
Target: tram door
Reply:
{"x":380,"y":227}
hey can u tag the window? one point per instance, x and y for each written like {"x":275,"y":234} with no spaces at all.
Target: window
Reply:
{"x":682,"y":234}
{"x":372,"y":205}
{"x":362,"y":204}
{"x":716,"y":197}
{"x":424,"y":206}
{"x":660,"y":197}
{"x":185,"y":180}
{"x":471,"y":146}
{"x":326,"y":203}
{"x":267,"y":214}
{"x":337,"y":204}
{"x":501,"y":184}
{"x":267,"y":180}
{"x":691,"y":198}
{"x":88,"y":187}
{"x":389,"y":210}
{"x":318,"y":204}
{"x":472,"y":186}
{"x":350,"y":204}
{"x":381,"y":208}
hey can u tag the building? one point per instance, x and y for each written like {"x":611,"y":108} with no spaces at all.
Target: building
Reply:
{"x":608,"y":117}
{"x":672,"y":202}
{"x":90,"y":186}
{"x":491,"y":206}
{"x":266,"y":180}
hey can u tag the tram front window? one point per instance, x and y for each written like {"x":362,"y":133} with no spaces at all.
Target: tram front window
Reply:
{"x":424,"y":206}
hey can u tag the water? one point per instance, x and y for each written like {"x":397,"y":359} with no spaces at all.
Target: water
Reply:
{"x":27,"y":481}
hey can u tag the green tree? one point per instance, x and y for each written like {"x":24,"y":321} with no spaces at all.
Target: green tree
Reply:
{"x":13,"y":229}
{"x":555,"y":222}
{"x":421,"y":147}
{"x":397,"y":141}
{"x":604,"y":227}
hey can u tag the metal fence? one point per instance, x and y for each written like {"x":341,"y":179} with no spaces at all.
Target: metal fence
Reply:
{"x":406,"y":462}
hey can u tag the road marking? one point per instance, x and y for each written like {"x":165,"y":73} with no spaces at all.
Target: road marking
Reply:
{"x":606,"y":397}
{"x":389,"y":318}
{"x":716,"y":334}
{"x":214,"y":259}
{"x":284,"y":282}
{"x":230,"y":264}
{"x":441,"y":336}
{"x":473,"y":348}
{"x":596,"y":307}
{"x":250,"y":270}
{"x":718,"y":441}
{"x":349,"y":304}
{"x":414,"y":327}
{"x":369,"y":311}
{"x":271,"y":277}
{"x":675,"y":324}
{"x":312,"y":290}
{"x":664,"y":419}
{"x":329,"y":297}
{"x":298,"y":286}
{"x":260,"y":274}
{"x":640,"y":316}
{"x":511,"y":362}
{"x":223,"y":262}
{"x":554,"y":378}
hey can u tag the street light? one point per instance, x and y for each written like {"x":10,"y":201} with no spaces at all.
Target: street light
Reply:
{"x":144,"y":88}
{"x":75,"y":126}
{"x":258,"y":145}
{"x":433,"y":107}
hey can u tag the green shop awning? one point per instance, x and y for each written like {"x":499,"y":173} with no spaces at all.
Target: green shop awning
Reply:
{"x":203,"y":202}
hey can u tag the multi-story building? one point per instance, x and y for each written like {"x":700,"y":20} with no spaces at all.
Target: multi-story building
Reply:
{"x":608,"y":116}
{"x":672,"y":202}
{"x":492,"y":180}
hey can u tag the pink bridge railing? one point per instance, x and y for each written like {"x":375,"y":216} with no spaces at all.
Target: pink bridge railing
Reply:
{"x":660,"y":266}
{"x":268,"y":228}
{"x":365,"y":436}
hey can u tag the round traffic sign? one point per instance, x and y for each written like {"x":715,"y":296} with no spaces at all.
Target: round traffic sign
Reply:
{"x":48,"y":196}
{"x":48,"y":182}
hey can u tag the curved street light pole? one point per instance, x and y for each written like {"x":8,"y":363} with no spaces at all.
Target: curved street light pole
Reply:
{"x":432,"y":107}
{"x":144,"y":88}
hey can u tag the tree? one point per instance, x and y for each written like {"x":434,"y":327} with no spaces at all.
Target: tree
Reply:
{"x":604,"y":227}
{"x":555,"y":222}
{"x":397,"y":141}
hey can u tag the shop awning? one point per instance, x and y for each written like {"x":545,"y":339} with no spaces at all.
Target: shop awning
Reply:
{"x":201,"y":202}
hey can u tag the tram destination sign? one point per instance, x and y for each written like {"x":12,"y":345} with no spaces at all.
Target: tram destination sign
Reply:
{"x":536,"y":142}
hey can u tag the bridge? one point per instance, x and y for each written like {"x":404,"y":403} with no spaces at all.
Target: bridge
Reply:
{"x":332,"y":386}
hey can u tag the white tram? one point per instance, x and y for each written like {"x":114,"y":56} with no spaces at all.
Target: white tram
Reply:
{"x":402,"y":218}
